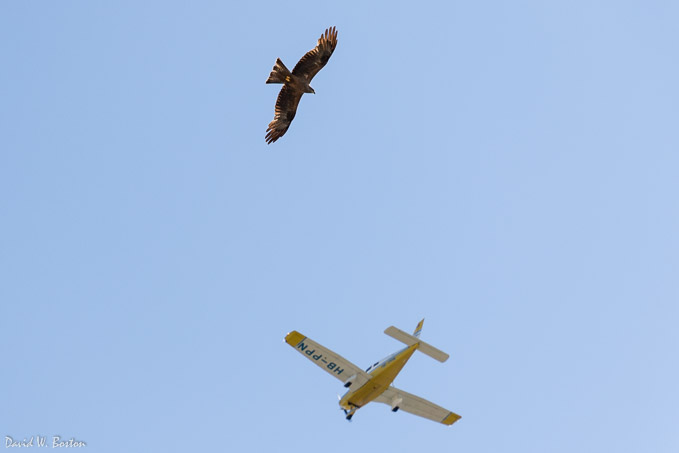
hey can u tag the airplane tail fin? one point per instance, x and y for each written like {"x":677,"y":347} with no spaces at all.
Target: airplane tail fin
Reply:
{"x":410,"y":340}
{"x":418,"y":329}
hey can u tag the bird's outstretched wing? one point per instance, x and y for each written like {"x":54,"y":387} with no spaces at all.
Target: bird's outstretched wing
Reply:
{"x":286,"y":107}
{"x":314,"y":60}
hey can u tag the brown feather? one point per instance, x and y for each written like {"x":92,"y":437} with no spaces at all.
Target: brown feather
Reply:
{"x":314,"y":60}
{"x":286,"y":108}
{"x":294,"y":86}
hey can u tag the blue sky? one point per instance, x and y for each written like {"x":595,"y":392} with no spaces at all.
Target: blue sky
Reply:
{"x":506,"y":170}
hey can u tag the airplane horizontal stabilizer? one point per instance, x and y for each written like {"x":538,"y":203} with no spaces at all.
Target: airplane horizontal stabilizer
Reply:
{"x":410,"y":340}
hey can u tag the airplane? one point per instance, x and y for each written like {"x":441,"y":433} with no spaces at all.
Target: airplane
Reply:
{"x":374,"y":384}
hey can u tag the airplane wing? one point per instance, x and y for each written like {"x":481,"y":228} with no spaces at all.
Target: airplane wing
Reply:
{"x":417,"y":406}
{"x":331,"y":362}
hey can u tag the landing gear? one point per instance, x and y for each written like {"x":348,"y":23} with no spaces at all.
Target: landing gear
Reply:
{"x":350,"y":413}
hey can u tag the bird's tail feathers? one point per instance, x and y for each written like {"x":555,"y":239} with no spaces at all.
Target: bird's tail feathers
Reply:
{"x":279,"y":74}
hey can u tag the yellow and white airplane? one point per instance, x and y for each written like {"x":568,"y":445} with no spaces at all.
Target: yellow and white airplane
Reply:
{"x":374,"y":384}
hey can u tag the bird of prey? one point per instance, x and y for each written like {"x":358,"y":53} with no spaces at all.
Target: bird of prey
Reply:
{"x":296,"y":83}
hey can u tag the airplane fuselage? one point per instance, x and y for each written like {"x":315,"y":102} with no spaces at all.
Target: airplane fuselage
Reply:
{"x":382,"y":375}
{"x":375,"y":383}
